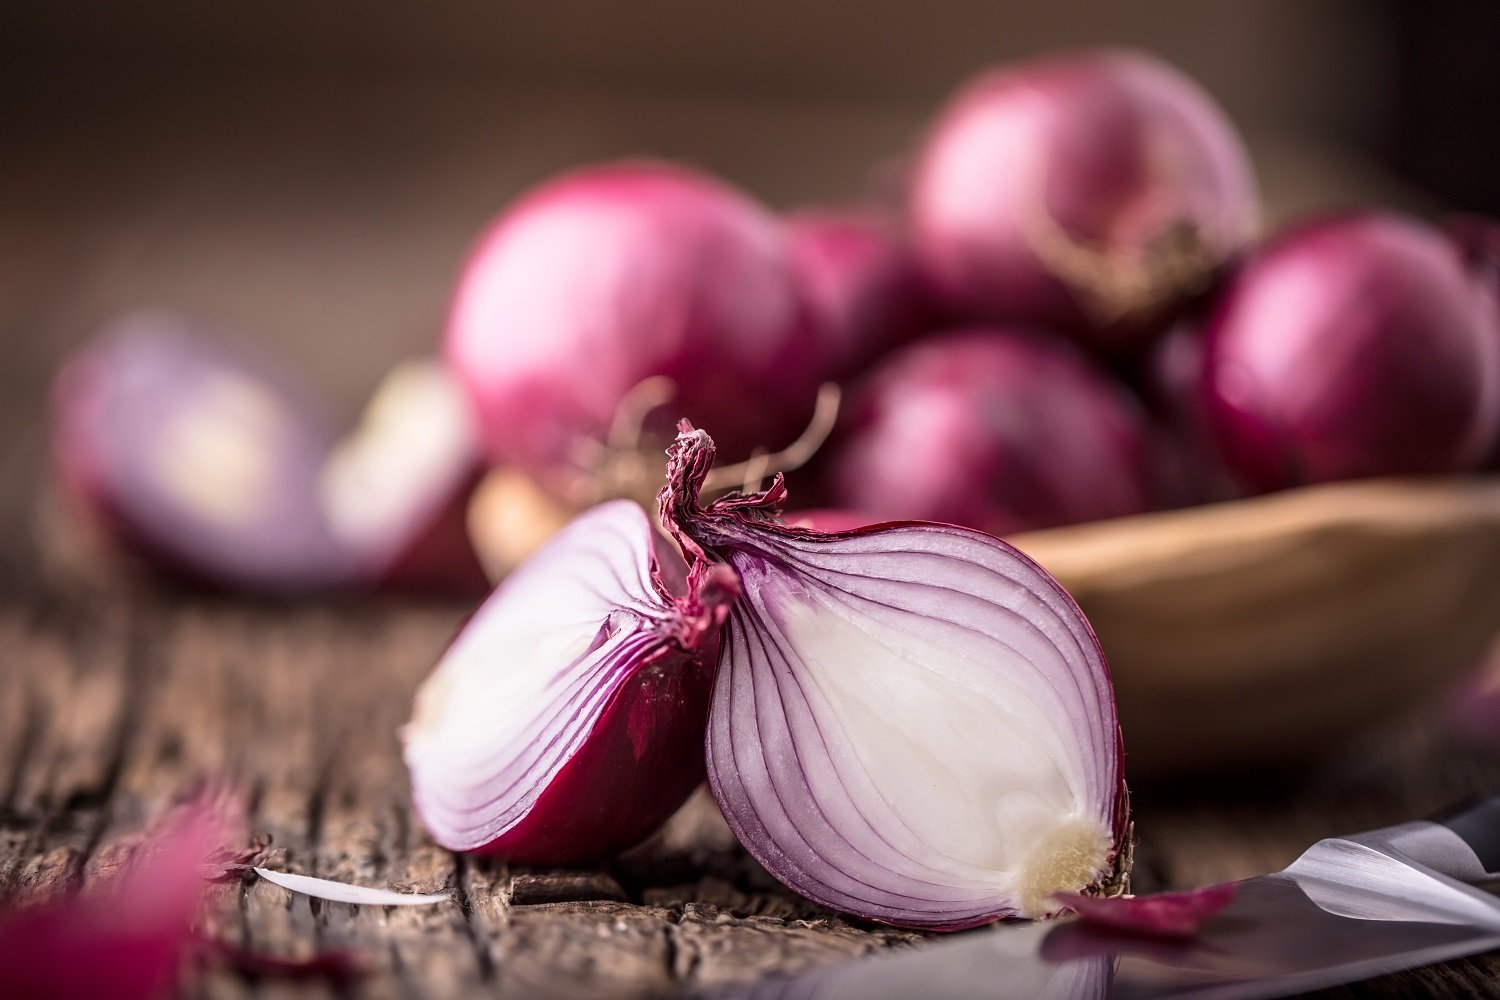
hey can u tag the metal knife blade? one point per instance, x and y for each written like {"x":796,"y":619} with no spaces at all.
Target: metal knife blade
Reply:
{"x":1349,"y":908}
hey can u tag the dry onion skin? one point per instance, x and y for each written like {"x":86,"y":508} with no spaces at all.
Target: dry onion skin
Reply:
{"x":911,"y":722}
{"x":563,"y":723}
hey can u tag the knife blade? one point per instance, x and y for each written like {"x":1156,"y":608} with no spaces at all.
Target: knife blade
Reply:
{"x":1348,"y":909}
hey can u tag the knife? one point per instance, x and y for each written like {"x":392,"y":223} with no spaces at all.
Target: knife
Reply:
{"x":1348,"y":909}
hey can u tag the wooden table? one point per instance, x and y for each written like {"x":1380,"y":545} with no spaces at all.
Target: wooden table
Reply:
{"x":112,"y":701}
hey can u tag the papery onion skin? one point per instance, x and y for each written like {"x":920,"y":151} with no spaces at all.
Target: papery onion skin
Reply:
{"x":604,"y":277}
{"x":1000,"y":429}
{"x":1162,"y":915}
{"x":1089,"y":192}
{"x":861,"y":286}
{"x":757,"y":766}
{"x":627,"y":757}
{"x":1353,"y":345}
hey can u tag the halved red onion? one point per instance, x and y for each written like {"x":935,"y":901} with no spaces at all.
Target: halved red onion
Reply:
{"x":1359,"y":344}
{"x":860,"y":282}
{"x":198,"y":456}
{"x":911,"y":723}
{"x":618,"y":276}
{"x":562,"y":723}
{"x":1088,"y":192}
{"x":1001,"y":429}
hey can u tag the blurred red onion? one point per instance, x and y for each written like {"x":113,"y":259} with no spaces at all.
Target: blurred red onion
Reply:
{"x":1355,"y":345}
{"x":1000,"y":429}
{"x":860,"y":283}
{"x":1089,"y":192}
{"x":601,"y":279}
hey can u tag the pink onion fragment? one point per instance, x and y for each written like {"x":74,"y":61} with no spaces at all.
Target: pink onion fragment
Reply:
{"x":1164,"y":915}
{"x":128,"y":936}
{"x":559,"y":726}
{"x":911,"y":723}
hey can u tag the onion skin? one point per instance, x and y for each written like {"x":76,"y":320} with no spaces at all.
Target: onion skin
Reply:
{"x":777,"y":563}
{"x":860,"y":283}
{"x":999,"y":429}
{"x":1089,"y":192}
{"x":1173,"y":915}
{"x":1351,"y":346}
{"x":602,"y":278}
{"x":128,"y":935}
{"x":599,"y":756}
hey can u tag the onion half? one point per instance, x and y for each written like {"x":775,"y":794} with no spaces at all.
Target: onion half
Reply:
{"x":911,"y":723}
{"x":562,"y":724}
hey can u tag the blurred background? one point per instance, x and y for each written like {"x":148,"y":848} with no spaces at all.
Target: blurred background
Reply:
{"x":308,"y":176}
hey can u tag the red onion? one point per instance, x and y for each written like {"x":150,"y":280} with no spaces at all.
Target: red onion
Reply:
{"x":911,"y":723}
{"x":998,"y":429}
{"x":1088,"y":192}
{"x":559,"y":727}
{"x":198,"y":456}
{"x":1353,"y":345}
{"x":604,"y":278}
{"x":860,"y":284}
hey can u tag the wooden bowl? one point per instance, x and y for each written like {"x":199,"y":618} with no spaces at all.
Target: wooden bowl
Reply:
{"x":1270,"y":628}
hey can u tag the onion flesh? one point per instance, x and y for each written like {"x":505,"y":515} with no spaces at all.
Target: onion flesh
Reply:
{"x":911,"y":723}
{"x":1089,"y":192}
{"x":559,"y":726}
{"x":1000,"y":429}
{"x":1353,"y":345}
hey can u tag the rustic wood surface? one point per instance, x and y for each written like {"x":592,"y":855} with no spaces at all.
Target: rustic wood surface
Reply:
{"x":338,"y":249}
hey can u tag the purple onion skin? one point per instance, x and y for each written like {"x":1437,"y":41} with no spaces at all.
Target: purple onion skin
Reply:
{"x":603,"y":277}
{"x":126,"y":937}
{"x":860,"y":283}
{"x":1113,"y":149}
{"x":1350,"y":346}
{"x":638,"y":766}
{"x":999,"y":429}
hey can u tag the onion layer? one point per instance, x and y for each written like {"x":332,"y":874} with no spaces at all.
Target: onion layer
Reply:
{"x":559,"y":727}
{"x":911,"y":723}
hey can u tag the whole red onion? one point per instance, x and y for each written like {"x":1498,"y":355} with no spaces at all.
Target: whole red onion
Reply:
{"x":1353,"y":345}
{"x":599,"y":280}
{"x":1001,"y":429}
{"x":1089,"y":192}
{"x":860,"y":283}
